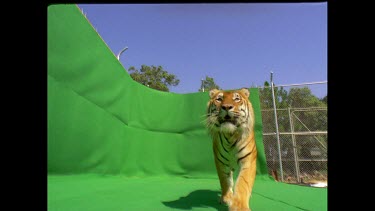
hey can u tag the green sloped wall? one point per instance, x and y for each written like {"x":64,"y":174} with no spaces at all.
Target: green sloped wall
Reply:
{"x":101,"y":121}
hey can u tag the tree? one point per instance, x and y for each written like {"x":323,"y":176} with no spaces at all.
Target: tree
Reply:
{"x":281,"y":96}
{"x":154,"y":77}
{"x":325,"y":99}
{"x":307,"y":114}
{"x":208,"y":84}
{"x":315,"y":120}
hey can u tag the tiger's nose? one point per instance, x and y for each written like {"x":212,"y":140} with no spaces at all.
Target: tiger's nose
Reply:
{"x":226,"y":107}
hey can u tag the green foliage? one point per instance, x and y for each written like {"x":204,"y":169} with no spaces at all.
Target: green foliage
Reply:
{"x":295,"y":98}
{"x":154,"y":77}
{"x":305,"y":110}
{"x":302,"y":97}
{"x":325,"y":99}
{"x":281,"y":96}
{"x":281,"y":100}
{"x":208,"y":84}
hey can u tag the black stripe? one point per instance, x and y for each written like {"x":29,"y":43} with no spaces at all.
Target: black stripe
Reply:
{"x":222,"y":155}
{"x":209,"y":109}
{"x":243,"y":122}
{"x":247,"y":114}
{"x":243,"y":157}
{"x":235,"y":143}
{"x":253,"y":147}
{"x":226,"y":138}
{"x":217,"y":148}
{"x":244,"y":147}
{"x":221,"y":140}
{"x":222,"y":162}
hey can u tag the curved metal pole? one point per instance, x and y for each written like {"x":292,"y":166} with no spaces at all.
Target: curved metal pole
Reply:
{"x":119,"y":54}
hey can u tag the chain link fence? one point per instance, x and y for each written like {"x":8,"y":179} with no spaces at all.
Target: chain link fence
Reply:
{"x":295,"y":131}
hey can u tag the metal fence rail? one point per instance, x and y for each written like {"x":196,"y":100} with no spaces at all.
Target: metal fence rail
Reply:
{"x":295,"y":131}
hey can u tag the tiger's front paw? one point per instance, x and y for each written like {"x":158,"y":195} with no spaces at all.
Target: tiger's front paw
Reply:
{"x":238,"y":205}
{"x":226,"y":199}
{"x":233,"y":208}
{"x":239,"y":209}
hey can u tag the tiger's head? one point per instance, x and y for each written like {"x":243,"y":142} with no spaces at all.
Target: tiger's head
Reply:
{"x":229,"y":111}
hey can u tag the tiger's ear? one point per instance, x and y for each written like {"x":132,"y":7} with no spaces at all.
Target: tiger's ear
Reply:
{"x":213,"y":92}
{"x":245,"y":92}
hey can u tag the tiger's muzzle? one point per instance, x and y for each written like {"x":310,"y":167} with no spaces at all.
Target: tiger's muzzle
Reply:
{"x":227,"y":116}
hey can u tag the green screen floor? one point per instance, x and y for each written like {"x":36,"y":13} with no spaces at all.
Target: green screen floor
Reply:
{"x":93,"y":192}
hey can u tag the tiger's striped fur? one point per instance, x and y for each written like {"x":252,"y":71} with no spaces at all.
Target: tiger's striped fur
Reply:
{"x":230,"y":122}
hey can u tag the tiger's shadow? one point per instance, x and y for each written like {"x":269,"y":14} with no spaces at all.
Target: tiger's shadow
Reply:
{"x":197,"y":198}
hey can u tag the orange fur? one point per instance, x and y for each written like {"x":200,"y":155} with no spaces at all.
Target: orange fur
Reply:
{"x":230,"y":121}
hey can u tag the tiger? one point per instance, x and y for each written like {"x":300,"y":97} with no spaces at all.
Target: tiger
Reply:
{"x":230,"y":122}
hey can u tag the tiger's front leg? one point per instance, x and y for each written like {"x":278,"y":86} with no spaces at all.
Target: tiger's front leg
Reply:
{"x":226,"y":183}
{"x":225,"y":177}
{"x":244,"y":184}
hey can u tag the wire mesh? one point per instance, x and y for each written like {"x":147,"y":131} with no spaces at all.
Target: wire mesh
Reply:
{"x":302,"y":130}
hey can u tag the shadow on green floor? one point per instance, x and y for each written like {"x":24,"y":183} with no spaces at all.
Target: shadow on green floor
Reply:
{"x":196,"y":199}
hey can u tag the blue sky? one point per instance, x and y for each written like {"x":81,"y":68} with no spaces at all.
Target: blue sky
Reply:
{"x":237,"y":44}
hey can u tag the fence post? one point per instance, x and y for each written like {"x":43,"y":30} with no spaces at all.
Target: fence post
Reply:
{"x":296,"y":162}
{"x":277,"y":128}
